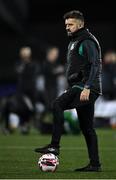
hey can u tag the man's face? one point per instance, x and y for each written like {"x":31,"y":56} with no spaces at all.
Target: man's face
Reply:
{"x":110,"y":57}
{"x":25,"y":54}
{"x":73,"y":25}
{"x":52,"y":54}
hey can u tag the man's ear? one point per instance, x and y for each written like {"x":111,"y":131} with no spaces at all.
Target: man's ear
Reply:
{"x":81,"y":24}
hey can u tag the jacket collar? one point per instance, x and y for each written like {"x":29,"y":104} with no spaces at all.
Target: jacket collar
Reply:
{"x":79,"y":33}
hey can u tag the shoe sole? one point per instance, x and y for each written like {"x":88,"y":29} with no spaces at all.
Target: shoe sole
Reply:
{"x":45,"y":152}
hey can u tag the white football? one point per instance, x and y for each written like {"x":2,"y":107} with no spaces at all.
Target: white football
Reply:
{"x":48,"y":162}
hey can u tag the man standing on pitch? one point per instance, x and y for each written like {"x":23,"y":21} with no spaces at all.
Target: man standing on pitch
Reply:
{"x":84,"y":78}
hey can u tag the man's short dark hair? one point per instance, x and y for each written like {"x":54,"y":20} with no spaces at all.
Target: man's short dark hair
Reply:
{"x":74,"y":14}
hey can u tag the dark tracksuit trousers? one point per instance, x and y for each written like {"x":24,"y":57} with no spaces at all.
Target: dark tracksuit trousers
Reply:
{"x":85,"y":110}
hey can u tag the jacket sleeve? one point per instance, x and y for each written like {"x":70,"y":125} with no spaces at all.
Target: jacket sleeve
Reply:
{"x":90,"y":51}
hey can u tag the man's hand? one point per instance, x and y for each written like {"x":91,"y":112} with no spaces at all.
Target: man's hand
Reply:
{"x":84,"y":96}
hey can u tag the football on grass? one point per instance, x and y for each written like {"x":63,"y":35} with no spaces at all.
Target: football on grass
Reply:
{"x":48,"y":162}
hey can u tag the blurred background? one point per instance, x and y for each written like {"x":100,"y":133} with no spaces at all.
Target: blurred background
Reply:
{"x":33,"y":45}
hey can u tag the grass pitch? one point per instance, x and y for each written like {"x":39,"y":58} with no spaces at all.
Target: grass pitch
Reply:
{"x":19,"y":161}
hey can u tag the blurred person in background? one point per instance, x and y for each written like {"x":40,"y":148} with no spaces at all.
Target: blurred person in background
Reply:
{"x":105,"y":107}
{"x":54,"y":83}
{"x":84,"y":79}
{"x":21,"y":106}
{"x":109,"y":75}
{"x":52,"y":70}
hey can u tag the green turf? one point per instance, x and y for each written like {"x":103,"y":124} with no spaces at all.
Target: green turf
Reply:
{"x":18,"y":160}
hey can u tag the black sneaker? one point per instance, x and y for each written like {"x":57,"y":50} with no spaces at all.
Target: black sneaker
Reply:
{"x":89,"y":168}
{"x":48,"y":149}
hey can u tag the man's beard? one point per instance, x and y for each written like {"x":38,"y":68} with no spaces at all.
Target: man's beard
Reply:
{"x":69,"y":33}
